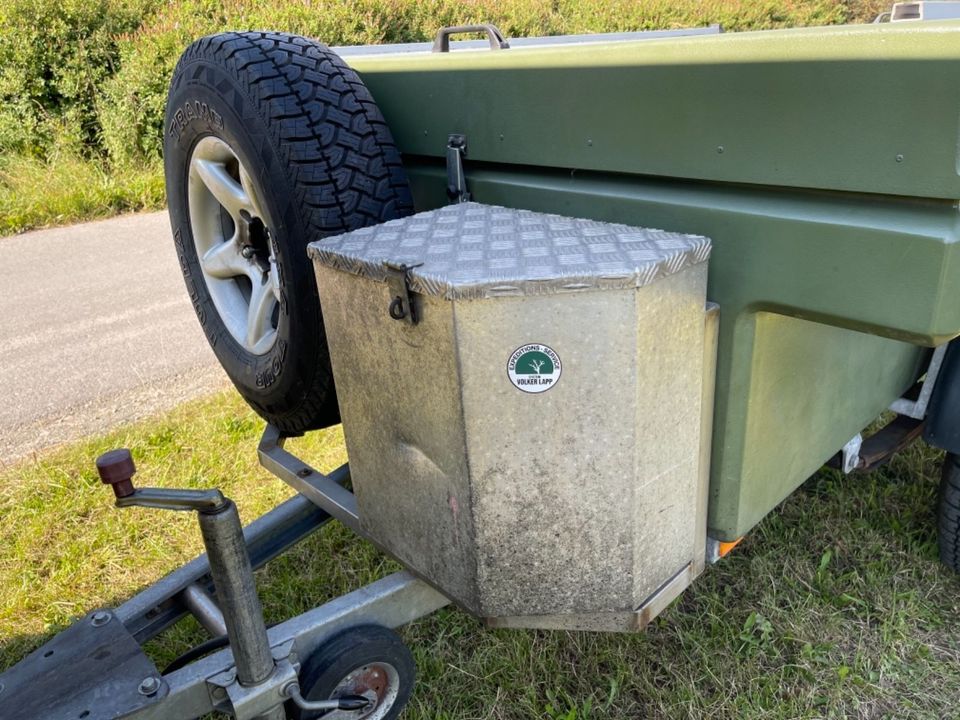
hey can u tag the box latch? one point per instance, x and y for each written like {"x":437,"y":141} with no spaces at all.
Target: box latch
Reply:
{"x":456,"y":180}
{"x":401,"y":302}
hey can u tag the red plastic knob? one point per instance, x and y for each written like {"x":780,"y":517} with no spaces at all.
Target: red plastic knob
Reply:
{"x":116,"y":469}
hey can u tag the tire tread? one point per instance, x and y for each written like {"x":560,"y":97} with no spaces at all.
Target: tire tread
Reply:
{"x":948,"y":524}
{"x":334,"y":144}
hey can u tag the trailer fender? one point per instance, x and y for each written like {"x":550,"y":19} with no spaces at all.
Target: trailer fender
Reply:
{"x":943,"y":416}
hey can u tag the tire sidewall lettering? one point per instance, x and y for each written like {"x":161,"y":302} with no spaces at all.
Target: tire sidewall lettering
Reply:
{"x":271,"y":96}
{"x":195,"y":116}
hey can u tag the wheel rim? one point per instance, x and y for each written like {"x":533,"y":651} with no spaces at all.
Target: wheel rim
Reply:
{"x":379,"y":682}
{"x":234,"y":245}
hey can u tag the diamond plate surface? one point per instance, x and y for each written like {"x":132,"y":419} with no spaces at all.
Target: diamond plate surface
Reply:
{"x":470,"y":251}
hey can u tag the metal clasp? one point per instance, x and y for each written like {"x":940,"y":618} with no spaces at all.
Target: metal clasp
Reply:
{"x":456,"y":181}
{"x":401,"y":301}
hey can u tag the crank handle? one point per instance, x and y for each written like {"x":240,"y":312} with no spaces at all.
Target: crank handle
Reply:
{"x":116,"y":469}
{"x":344,"y":702}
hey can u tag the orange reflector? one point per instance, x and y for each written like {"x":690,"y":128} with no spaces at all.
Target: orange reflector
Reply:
{"x":723,"y":548}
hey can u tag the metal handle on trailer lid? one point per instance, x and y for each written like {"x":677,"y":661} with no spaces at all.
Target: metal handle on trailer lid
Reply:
{"x":494,"y":36}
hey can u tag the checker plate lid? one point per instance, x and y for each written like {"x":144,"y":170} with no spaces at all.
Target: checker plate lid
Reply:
{"x":472,"y":251}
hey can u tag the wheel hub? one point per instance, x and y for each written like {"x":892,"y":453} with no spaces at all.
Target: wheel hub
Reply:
{"x":234,"y":245}
{"x":378,"y":682}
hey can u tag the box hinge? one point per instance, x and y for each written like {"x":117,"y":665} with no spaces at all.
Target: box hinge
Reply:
{"x":456,"y":181}
{"x":401,"y":299}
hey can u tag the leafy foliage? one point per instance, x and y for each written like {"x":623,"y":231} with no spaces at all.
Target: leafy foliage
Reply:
{"x":89,"y":77}
{"x":54,"y":56}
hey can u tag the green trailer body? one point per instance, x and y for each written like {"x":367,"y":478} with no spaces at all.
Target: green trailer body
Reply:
{"x":823,"y":164}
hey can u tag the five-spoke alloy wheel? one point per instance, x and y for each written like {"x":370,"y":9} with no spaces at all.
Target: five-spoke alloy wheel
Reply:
{"x":233,"y":242}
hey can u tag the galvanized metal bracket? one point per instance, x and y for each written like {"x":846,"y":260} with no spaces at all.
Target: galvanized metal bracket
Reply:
{"x":401,"y":305}
{"x":917,"y":409}
{"x":244,"y":703}
{"x":456,"y":180}
{"x":877,"y":449}
{"x":95,"y":668}
{"x":851,"y":454}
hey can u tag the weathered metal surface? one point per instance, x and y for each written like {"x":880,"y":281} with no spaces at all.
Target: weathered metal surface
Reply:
{"x":160,"y":605}
{"x":877,"y":449}
{"x":205,"y":609}
{"x":192,"y":691}
{"x":823,"y":291}
{"x":671,"y":589}
{"x":916,"y":407}
{"x":869,"y":108}
{"x":93,"y":670}
{"x":237,"y":592}
{"x":622,"y":621}
{"x":880,"y":447}
{"x":710,"y":342}
{"x":469,"y":251}
{"x":325,"y":491}
{"x":810,"y":351}
{"x":512,"y":501}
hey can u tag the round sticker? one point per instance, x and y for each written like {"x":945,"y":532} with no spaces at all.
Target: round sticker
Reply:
{"x":534,"y":368}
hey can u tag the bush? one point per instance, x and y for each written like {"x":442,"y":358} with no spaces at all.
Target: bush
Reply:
{"x":87,"y":79}
{"x":131,"y":111}
{"x":131,"y":108}
{"x":91,"y":75}
{"x":54,"y":55}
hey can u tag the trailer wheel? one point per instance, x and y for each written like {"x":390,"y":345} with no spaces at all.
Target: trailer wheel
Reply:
{"x":368,"y":660}
{"x":949,"y":512}
{"x":271,"y":142}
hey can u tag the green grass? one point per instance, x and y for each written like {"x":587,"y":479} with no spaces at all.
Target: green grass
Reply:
{"x":834,"y":606}
{"x":66,"y":188}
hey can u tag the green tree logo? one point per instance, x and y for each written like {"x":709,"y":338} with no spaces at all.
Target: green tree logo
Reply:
{"x":534,"y":368}
{"x":534,"y":363}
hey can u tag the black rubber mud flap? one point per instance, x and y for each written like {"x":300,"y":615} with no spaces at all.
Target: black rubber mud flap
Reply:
{"x":943,"y":414}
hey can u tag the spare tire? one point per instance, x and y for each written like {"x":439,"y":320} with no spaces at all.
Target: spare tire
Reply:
{"x":271,"y":142}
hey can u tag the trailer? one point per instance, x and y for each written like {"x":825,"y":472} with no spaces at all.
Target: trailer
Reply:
{"x":588,"y":308}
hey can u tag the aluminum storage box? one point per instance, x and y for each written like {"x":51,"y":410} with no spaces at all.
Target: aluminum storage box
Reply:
{"x":531,"y":444}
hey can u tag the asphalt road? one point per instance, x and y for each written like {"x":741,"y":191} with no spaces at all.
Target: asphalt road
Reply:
{"x":95,"y":330}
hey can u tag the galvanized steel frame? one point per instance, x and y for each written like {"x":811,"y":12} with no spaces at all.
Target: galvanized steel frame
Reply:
{"x":210,"y":684}
{"x":159,"y":606}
